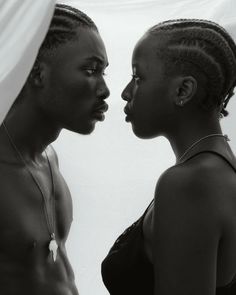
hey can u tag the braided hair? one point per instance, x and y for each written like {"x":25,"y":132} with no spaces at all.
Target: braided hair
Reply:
{"x":201,"y":46}
{"x":63,"y":28}
{"x":65,"y":21}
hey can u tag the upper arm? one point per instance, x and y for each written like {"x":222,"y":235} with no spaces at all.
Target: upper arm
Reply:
{"x":186,"y":235}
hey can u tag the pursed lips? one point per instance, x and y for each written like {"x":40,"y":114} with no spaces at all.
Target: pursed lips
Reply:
{"x":127,"y":110}
{"x":128,"y":113}
{"x":102,"y":108}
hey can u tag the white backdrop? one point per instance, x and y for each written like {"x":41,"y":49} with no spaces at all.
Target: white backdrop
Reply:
{"x":111,"y":173}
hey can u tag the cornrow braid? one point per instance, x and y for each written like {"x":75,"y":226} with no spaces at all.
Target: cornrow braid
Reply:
{"x":209,"y":49}
{"x":65,"y":21}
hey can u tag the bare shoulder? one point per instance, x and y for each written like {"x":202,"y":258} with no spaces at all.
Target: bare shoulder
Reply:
{"x":194,"y":209}
{"x":195,"y":195}
{"x":206,"y":178}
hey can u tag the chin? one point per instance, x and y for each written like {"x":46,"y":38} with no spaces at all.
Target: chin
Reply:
{"x":142,"y":133}
{"x":84,"y":130}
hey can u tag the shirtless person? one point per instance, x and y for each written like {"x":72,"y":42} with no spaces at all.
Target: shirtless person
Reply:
{"x":65,"y":89}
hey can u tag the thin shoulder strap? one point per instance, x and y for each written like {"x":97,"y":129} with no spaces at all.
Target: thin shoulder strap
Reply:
{"x":215,"y":146}
{"x":230,"y":160}
{"x":145,"y":212}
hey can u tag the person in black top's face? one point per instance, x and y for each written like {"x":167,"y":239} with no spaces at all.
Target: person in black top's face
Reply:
{"x":149,"y":93}
{"x":179,"y":80}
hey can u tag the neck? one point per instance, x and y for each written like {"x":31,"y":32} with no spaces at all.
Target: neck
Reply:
{"x":30,"y":130}
{"x":190,"y":133}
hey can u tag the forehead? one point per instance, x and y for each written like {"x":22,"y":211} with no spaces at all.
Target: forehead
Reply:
{"x":87,"y":45}
{"x":145,"y":51}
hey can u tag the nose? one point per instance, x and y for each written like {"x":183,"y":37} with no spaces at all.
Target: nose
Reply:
{"x":103,"y":92}
{"x":126,"y":94}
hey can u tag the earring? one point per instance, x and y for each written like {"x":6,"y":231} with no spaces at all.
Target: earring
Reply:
{"x":181,"y":103}
{"x":221,"y":116}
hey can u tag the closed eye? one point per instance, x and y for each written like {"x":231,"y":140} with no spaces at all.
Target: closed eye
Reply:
{"x":90,"y":71}
{"x":94,"y":71}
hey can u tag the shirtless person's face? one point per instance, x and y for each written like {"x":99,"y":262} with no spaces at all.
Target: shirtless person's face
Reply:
{"x":74,"y":89}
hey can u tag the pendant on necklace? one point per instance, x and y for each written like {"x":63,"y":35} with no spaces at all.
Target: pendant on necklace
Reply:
{"x":53,"y":247}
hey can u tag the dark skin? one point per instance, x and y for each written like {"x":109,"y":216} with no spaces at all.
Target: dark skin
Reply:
{"x":190,"y":232}
{"x":65,"y":90}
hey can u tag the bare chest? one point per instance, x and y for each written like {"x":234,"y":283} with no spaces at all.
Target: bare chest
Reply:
{"x":28,"y":214}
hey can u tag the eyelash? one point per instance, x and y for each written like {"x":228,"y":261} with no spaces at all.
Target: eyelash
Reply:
{"x":90,"y":72}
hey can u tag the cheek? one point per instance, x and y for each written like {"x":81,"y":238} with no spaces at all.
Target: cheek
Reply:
{"x":150,"y":107}
{"x":74,"y":94}
{"x":145,"y":101}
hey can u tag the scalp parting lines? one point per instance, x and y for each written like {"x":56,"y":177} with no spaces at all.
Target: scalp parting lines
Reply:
{"x":65,"y":21}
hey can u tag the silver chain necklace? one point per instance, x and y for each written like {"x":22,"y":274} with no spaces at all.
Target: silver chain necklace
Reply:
{"x":52,"y":246}
{"x":199,"y":140}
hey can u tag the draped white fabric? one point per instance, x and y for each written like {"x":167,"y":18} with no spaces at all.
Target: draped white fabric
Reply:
{"x":23,"y":26}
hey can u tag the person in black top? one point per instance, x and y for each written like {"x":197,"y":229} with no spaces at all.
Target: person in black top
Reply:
{"x":184,"y":73}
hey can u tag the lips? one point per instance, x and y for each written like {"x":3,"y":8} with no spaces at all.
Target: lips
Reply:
{"x":128,"y":113}
{"x":99,"y":110}
{"x":102,"y":108}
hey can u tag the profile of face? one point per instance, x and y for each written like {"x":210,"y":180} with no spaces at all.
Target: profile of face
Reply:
{"x":73,"y":90}
{"x":149,"y":95}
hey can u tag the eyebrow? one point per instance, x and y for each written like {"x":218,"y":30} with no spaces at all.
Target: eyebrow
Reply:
{"x":97,"y":59}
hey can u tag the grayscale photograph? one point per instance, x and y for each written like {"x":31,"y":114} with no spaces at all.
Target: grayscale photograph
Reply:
{"x":117,"y":147}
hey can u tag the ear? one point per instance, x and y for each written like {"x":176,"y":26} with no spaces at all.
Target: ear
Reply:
{"x":38,"y":74}
{"x":185,"y":90}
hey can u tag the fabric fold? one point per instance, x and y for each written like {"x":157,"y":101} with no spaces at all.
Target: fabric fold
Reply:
{"x":24,"y":24}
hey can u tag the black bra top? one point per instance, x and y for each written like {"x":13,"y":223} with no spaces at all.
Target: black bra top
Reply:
{"x":127,"y":271}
